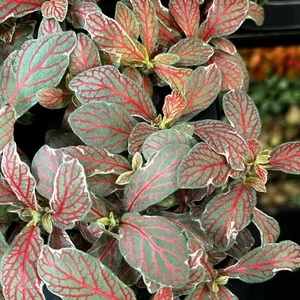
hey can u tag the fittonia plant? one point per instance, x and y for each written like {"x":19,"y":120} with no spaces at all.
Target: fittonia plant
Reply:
{"x":131,"y":193}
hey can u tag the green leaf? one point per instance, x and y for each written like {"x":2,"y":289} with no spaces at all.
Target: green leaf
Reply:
{"x":151,"y":184}
{"x":7,"y":121}
{"x":256,"y":13}
{"x":103,"y":125}
{"x":59,"y":238}
{"x":3,"y":246}
{"x":263,"y":263}
{"x":56,"y":9}
{"x":43,"y":62}
{"x":48,"y":26}
{"x":90,"y":279}
{"x":103,"y":184}
{"x":156,"y":247}
{"x":165,"y":59}
{"x":53,"y":97}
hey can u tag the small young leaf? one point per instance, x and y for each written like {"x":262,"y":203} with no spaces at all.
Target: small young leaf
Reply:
{"x":85,"y":56}
{"x":224,"y":45}
{"x":146,"y":15}
{"x":200,"y":90}
{"x":261,"y":173}
{"x":268,"y":227}
{"x":263,"y":263}
{"x":224,"y":140}
{"x":8,"y":118}
{"x":126,"y":18}
{"x":70,"y":201}
{"x":256,"y":183}
{"x":59,"y":238}
{"x":89,"y":280}
{"x":224,"y":17}
{"x":56,"y":9}
{"x":242,"y":114}
{"x":103,"y":125}
{"x":227,"y":214}
{"x":18,"y":176}
{"x":165,"y":59}
{"x":48,"y":26}
{"x":111,"y":37}
{"x":156,"y":247}
{"x":53,"y":97}
{"x":286,"y":158}
{"x":107,"y":84}
{"x":19,"y":276}
{"x":187,"y":15}
{"x":192,"y":52}
{"x":256,"y":13}
{"x":151,"y":184}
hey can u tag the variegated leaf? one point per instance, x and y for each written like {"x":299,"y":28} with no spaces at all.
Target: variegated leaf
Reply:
{"x":7,"y":121}
{"x":173,"y":106}
{"x":59,"y":239}
{"x":53,"y":97}
{"x":102,"y":184}
{"x":56,"y":9}
{"x":165,"y":59}
{"x":224,"y":45}
{"x":167,"y":36}
{"x":48,"y":26}
{"x":7,"y":195}
{"x":256,"y":13}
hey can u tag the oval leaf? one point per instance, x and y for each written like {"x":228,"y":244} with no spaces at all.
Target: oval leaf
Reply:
{"x":103,"y":125}
{"x":7,"y":195}
{"x":90,"y":280}
{"x":48,"y":26}
{"x":8,"y":118}
{"x":156,"y":247}
{"x":174,"y":104}
{"x":256,"y":13}
{"x":53,"y":97}
{"x":56,"y":9}
{"x":242,"y":114}
{"x":151,"y":184}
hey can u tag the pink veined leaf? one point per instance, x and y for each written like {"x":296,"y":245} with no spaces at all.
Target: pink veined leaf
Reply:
{"x":48,"y":26}
{"x":227,"y":214}
{"x":59,"y":239}
{"x":77,"y":2}
{"x":202,"y":166}
{"x":201,"y":292}
{"x":127,"y":20}
{"x":174,"y":77}
{"x":159,"y":139}
{"x":45,"y":61}
{"x":262,"y":173}
{"x":8,"y":118}
{"x":18,"y":8}
{"x":18,"y":176}
{"x":146,"y":16}
{"x":107,"y":84}
{"x":256,"y":183}
{"x":167,"y":36}
{"x":19,"y":266}
{"x":224,"y":17}
{"x":225,"y":294}
{"x":127,"y":274}
{"x":53,"y":97}
{"x":77,"y":14}
{"x":98,"y":209}
{"x":133,"y":73}
{"x":165,"y":59}
{"x":89,"y":280}
{"x":164,"y":293}
{"x":106,"y":250}
{"x":174,"y":104}
{"x":224,"y":140}
{"x":187,"y":15}
{"x":256,"y":13}
{"x":7,"y":194}
{"x":156,"y":247}
{"x":85,"y":55}
{"x":151,"y":184}
{"x":65,"y":123}
{"x":57,"y":139}
{"x":71,"y":200}
{"x":263,"y":263}
{"x":224,"y":45}
{"x":286,"y":158}
{"x":255,"y":148}
{"x":200,"y":90}
{"x":111,"y":37}
{"x":242,"y":114}
{"x":56,"y":9}
{"x":3,"y":245}
{"x":97,"y":160}
{"x":44,"y":167}
{"x":103,"y":184}
{"x":103,"y":125}
{"x":268,"y":227}
{"x":192,"y":52}
{"x":140,"y":132}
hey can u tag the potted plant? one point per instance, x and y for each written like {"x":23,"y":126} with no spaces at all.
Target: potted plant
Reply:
{"x":131,"y":196}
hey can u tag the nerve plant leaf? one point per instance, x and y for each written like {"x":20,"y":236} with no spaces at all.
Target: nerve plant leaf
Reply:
{"x":227,"y":214}
{"x":156,"y":247}
{"x":151,"y":184}
{"x":242,"y":114}
{"x":7,"y":194}
{"x":256,"y":13}
{"x":286,"y":158}
{"x":224,"y":140}
{"x":164,"y":293}
{"x":148,"y":23}
{"x":103,"y":125}
{"x":111,"y":37}
{"x":71,"y":200}
{"x":202,"y":166}
{"x":59,"y":238}
{"x":18,"y":176}
{"x":107,"y":84}
{"x":45,"y":61}
{"x":224,"y":17}
{"x":8,"y":118}
{"x":3,"y":246}
{"x":89,"y":280}
{"x":18,"y":8}
{"x":19,"y":276}
{"x":187,"y":15}
{"x":263,"y":263}
{"x":53,"y":97}
{"x":48,"y":26}
{"x":56,"y":9}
